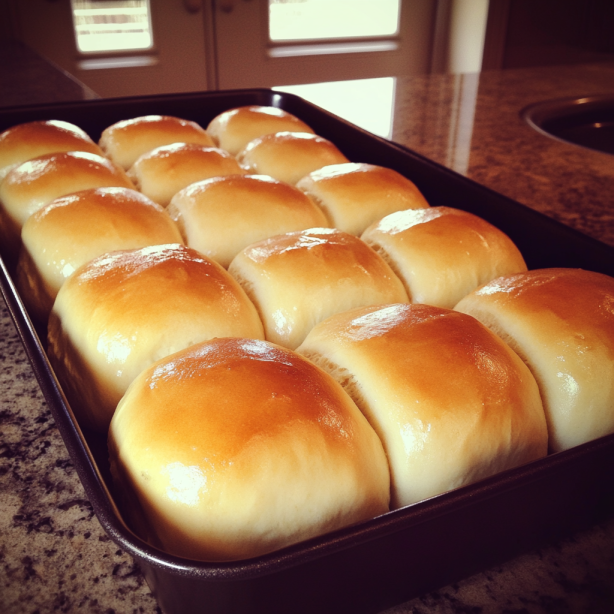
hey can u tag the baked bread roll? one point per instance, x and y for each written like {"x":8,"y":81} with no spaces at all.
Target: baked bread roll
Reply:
{"x":33,"y":139}
{"x":221,"y":216}
{"x":128,"y":139}
{"x":33,"y":184}
{"x":162,"y":172}
{"x":353,"y":195}
{"x":74,"y":229}
{"x":234,"y":448}
{"x":300,"y":278}
{"x":441,"y":254}
{"x":561,"y":323}
{"x":232,"y":130}
{"x":451,"y":402}
{"x":122,"y":311}
{"x":288,"y":156}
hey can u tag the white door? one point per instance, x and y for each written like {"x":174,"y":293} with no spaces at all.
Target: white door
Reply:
{"x":266,"y":43}
{"x":221,"y":44}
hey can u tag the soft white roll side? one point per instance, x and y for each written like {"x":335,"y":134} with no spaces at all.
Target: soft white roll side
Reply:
{"x":232,"y":130}
{"x":23,"y":142}
{"x":441,"y":254}
{"x":221,"y":216}
{"x":128,"y":139}
{"x":353,"y":195}
{"x":561,"y":322}
{"x":300,"y":278}
{"x":121,"y":312}
{"x":288,"y":156}
{"x":451,"y":402}
{"x":162,"y":172}
{"x":74,"y":229}
{"x":33,"y":184}
{"x":234,"y":448}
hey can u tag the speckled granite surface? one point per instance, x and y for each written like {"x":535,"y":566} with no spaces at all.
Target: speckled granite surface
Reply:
{"x":54,"y":556}
{"x":472,"y":124}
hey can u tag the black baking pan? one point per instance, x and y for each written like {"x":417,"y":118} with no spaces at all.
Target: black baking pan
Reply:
{"x":397,"y":556}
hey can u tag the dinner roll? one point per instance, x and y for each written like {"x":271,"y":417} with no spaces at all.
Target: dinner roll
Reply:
{"x":162,"y":172}
{"x":33,"y":184}
{"x":234,"y":448}
{"x":122,"y":311}
{"x":33,"y":139}
{"x":128,"y":139}
{"x":221,"y":216}
{"x":300,"y":278}
{"x":451,"y":402}
{"x":561,"y":322}
{"x":232,"y":130}
{"x":441,"y":254}
{"x":353,"y":195}
{"x":74,"y":229}
{"x":288,"y":156}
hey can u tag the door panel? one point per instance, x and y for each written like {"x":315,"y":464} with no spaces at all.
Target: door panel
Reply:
{"x":247,"y":58}
{"x":224,"y":44}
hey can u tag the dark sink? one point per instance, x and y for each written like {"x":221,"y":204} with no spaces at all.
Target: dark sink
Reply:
{"x":588,"y":121}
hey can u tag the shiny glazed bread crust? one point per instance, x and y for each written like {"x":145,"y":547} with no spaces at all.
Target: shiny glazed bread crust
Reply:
{"x":128,"y":139}
{"x":441,"y":254}
{"x":300,"y":278}
{"x":288,"y":156}
{"x":121,"y":312}
{"x":221,"y":216}
{"x":164,"y":171}
{"x":232,"y":130}
{"x":234,"y":448}
{"x":353,"y":195}
{"x":33,"y":139}
{"x":451,"y":402}
{"x":561,"y":322}
{"x":74,"y":229}
{"x":33,"y":184}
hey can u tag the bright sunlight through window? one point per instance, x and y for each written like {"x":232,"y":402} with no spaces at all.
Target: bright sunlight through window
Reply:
{"x":368,"y":103}
{"x":112,"y":25}
{"x":292,"y":20}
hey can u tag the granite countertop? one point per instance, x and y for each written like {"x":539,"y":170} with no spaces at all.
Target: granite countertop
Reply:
{"x":54,"y":556}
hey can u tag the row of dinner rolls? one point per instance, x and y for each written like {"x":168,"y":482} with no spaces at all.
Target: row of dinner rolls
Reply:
{"x":43,"y":160}
{"x":264,"y":206}
{"x":158,"y":155}
{"x":450,"y":401}
{"x":268,"y":449}
{"x":291,"y":281}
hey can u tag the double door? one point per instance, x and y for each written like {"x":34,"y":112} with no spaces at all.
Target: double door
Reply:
{"x":229,"y":44}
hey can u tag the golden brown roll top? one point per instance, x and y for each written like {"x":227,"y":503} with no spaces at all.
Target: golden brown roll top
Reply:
{"x":232,"y":130}
{"x":441,"y":254}
{"x":74,"y":229}
{"x":288,"y":156}
{"x":221,"y":216}
{"x":33,"y":184}
{"x":234,"y":448}
{"x":33,"y":139}
{"x":354,"y":195}
{"x":121,"y":312}
{"x":128,"y":139}
{"x":561,"y":322}
{"x":162,"y":172}
{"x":300,"y":278}
{"x":451,"y":402}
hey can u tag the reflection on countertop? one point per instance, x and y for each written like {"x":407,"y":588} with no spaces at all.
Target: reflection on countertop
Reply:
{"x":54,"y":555}
{"x":472,"y":124}
{"x":26,"y":78}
